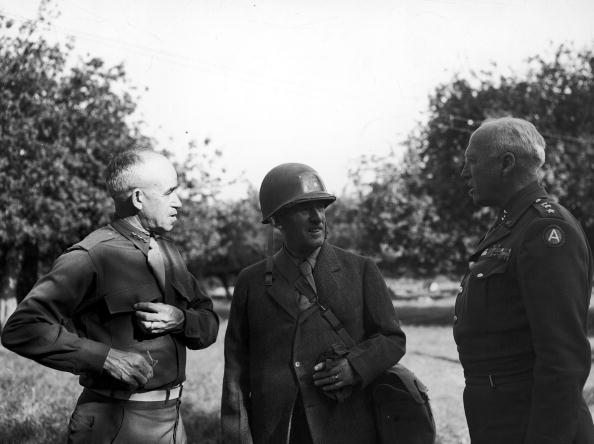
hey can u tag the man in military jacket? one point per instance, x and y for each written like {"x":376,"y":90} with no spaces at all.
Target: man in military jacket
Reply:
{"x":119,"y":309}
{"x":521,"y":314}
{"x":277,"y":388}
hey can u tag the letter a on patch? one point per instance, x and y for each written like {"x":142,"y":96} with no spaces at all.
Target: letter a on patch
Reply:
{"x":554,"y":236}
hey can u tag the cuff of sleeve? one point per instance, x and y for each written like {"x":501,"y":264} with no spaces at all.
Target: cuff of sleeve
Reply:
{"x":96,"y":353}
{"x":360,"y":367}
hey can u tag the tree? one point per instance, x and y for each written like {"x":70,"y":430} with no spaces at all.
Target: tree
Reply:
{"x":59,"y":124}
{"x":424,"y":205}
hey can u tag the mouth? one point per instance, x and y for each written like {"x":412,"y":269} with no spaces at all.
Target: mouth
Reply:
{"x":316,"y":230}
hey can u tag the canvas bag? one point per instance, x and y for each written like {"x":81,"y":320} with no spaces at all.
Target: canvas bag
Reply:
{"x":401,"y":405}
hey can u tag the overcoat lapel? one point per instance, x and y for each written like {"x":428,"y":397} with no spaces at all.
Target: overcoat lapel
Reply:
{"x":282,"y":290}
{"x":325,"y":276}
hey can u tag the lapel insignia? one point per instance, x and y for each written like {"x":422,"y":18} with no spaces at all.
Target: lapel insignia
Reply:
{"x":554,"y":236}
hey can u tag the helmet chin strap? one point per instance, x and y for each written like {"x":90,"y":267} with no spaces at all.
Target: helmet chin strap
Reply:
{"x":269,"y":261}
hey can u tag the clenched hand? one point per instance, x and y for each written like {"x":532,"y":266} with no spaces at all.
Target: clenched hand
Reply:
{"x":129,"y":367}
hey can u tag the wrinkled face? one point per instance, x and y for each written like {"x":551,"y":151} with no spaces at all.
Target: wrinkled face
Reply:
{"x":158,"y":195}
{"x":303,"y":227}
{"x":481,"y":172}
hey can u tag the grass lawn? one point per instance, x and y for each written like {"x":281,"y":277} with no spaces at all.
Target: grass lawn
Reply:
{"x":36,"y":402}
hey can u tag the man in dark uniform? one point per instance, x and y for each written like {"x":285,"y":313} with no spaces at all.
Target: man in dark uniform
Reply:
{"x":119,"y":308}
{"x":277,"y":388}
{"x":520,"y":316}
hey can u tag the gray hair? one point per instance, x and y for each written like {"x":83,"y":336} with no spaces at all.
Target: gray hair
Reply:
{"x":519,"y":137}
{"x":120,"y":177}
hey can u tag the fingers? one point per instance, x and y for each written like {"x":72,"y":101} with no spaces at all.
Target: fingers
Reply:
{"x":151,"y":307}
{"x":148,"y":316}
{"x":128,"y":367}
{"x":326,"y":379}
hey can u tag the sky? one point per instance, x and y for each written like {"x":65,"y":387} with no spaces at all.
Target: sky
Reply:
{"x":321,"y":83}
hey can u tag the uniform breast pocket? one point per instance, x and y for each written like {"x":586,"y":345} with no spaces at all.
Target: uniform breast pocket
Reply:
{"x":490,"y":285}
{"x":122,"y":301}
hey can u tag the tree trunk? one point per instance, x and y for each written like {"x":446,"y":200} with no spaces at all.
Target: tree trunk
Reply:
{"x":10,"y":266}
{"x":223,"y":278}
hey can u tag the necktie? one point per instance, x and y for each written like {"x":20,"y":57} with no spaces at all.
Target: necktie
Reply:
{"x":307,"y":287}
{"x":307,"y":273}
{"x":156,"y":262}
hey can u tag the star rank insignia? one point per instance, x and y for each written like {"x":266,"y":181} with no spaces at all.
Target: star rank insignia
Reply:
{"x":554,"y":236}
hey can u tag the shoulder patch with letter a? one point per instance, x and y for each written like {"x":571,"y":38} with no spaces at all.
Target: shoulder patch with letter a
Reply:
{"x":554,"y":236}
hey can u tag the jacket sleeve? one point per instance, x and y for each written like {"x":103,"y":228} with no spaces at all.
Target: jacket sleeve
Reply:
{"x":201,"y":322}
{"x":554,"y":276}
{"x":38,"y":327}
{"x":384,"y":342}
{"x":235,"y":403}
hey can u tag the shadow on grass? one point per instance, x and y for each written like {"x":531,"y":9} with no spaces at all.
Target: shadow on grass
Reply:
{"x":201,"y":427}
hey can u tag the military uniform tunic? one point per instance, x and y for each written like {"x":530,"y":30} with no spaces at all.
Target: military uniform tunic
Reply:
{"x":521,"y":326}
{"x":84,"y":306}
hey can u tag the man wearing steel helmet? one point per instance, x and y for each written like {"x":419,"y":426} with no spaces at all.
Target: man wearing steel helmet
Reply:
{"x":280,"y":386}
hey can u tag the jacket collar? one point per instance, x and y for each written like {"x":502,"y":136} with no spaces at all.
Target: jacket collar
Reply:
{"x":282,"y":289}
{"x":139,"y":238}
{"x":511,"y":212}
{"x":520,"y":202}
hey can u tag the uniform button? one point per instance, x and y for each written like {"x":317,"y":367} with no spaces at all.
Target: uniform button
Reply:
{"x":455,"y":318}
{"x":297,"y":364}
{"x":480,"y":275}
{"x":460,"y":290}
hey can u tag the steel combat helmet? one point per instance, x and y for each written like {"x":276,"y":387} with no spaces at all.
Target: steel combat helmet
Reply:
{"x":289,"y":184}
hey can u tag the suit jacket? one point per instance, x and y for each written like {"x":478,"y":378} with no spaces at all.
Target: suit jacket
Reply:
{"x":271,"y":348}
{"x":83,"y":307}
{"x":523,"y":307}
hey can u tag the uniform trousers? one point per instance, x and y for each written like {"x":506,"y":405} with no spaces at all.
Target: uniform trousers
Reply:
{"x":499,"y":414}
{"x":100,"y":420}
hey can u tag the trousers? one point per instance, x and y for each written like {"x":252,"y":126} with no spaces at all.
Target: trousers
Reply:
{"x":101,"y":420}
{"x":499,"y":414}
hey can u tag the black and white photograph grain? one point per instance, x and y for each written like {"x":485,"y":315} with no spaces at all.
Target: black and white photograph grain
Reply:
{"x":296,"y":221}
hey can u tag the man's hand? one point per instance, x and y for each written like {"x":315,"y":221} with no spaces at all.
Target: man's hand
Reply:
{"x":129,"y":367}
{"x":156,"y":317}
{"x":341,"y":374}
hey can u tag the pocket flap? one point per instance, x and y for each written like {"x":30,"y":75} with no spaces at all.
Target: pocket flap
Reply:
{"x":123,"y":301}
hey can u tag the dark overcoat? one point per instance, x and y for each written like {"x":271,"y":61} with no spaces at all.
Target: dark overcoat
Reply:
{"x":521,"y":327}
{"x":271,"y":348}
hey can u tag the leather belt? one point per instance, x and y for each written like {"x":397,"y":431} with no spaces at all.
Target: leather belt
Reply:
{"x":151,"y":396}
{"x":493,"y":380}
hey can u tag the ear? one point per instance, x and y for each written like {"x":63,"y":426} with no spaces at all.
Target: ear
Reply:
{"x":508,"y":163}
{"x":137,"y":198}
{"x":276,"y":224}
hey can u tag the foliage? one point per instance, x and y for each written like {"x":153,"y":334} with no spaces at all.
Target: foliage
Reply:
{"x":418,"y":213}
{"x":59,"y":123}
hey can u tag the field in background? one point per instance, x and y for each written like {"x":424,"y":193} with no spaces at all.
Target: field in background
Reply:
{"x":36,"y":402}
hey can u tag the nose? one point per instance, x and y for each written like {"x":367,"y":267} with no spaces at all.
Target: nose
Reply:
{"x":465,"y":174}
{"x":316,"y":214}
{"x":175,"y":201}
